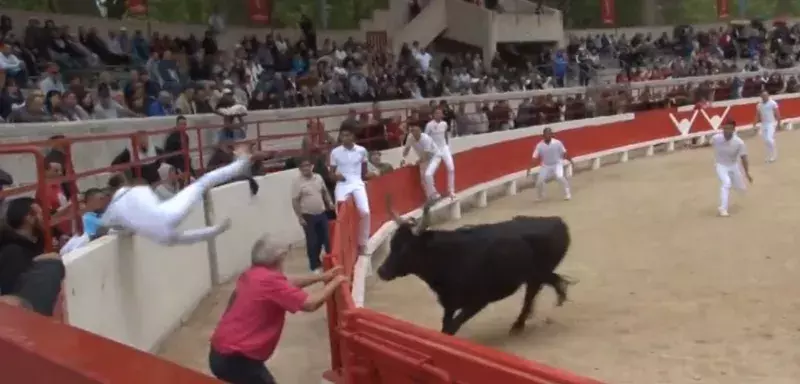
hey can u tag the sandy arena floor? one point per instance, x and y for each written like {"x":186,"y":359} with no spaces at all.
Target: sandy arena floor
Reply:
{"x":668,"y":292}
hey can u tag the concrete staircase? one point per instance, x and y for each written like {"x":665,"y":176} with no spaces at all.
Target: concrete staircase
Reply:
{"x":471,"y":24}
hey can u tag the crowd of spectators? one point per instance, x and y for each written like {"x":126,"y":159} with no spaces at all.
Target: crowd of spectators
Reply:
{"x":54,"y":74}
{"x":746,"y":46}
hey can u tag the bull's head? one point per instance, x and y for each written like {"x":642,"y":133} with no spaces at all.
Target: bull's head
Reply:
{"x":406,"y":244}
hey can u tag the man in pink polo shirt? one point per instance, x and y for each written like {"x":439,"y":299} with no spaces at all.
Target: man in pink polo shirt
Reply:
{"x":251,"y":326}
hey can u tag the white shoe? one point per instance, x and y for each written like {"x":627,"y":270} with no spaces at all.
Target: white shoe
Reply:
{"x":723,"y":212}
{"x":568,"y":196}
{"x":317,"y":271}
{"x":225,"y":225}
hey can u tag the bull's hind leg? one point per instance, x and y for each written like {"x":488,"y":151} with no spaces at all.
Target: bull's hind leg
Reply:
{"x":531,"y":290}
{"x":560,"y":284}
{"x":463,"y":316}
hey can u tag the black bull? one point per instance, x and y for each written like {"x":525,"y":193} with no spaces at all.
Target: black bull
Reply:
{"x":470,"y":267}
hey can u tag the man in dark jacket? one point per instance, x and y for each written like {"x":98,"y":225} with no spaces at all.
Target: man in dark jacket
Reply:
{"x":39,"y":287}
{"x":20,"y":242}
{"x":174,"y":143}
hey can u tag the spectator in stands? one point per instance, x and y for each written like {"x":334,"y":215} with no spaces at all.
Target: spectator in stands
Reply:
{"x":52,"y":102}
{"x":250,"y":328}
{"x":21,"y":240}
{"x":202,"y":102}
{"x":10,"y":98}
{"x":185,"y":103}
{"x":234,"y":127}
{"x":57,"y":152}
{"x":145,"y":151}
{"x":55,"y":200}
{"x":87,"y":104}
{"x":311,"y":201}
{"x":470,"y":123}
{"x":168,"y":73}
{"x":258,"y":102}
{"x":108,"y":108}
{"x":560,"y":65}
{"x":39,"y":287}
{"x":32,"y":111}
{"x":99,"y":47}
{"x":175,"y":142}
{"x":95,"y":201}
{"x":12,"y":65}
{"x":170,"y":182}
{"x":140,"y":48}
{"x":51,"y":79}
{"x":70,"y":108}
{"x":161,"y":106}
{"x":376,"y":166}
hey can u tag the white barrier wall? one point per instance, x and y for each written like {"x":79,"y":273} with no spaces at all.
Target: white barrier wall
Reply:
{"x":137,"y":292}
{"x":269,"y":212}
{"x":134,"y":291}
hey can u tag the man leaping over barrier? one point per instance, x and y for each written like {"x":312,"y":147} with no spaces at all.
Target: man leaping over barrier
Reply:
{"x":137,"y":208}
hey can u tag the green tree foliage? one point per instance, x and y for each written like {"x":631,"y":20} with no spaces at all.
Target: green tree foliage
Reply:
{"x":29,"y":5}
{"x":586,"y":13}
{"x":342,"y":14}
{"x":346,"y":14}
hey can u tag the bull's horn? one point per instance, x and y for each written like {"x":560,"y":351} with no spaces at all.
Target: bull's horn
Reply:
{"x":425,"y":220}
{"x":397,"y":219}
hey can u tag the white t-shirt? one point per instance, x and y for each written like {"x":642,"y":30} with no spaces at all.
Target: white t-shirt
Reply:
{"x":550,"y":154}
{"x":348,"y":162}
{"x":424,"y":60}
{"x":424,"y":146}
{"x":728,"y":152}
{"x":437,"y":130}
{"x":766,"y":111}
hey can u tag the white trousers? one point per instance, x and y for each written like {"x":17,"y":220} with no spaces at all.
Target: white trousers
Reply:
{"x":547,"y":172}
{"x":729,"y":176}
{"x":768,"y":134}
{"x":359,"y":192}
{"x":444,"y":156}
{"x":159,"y":223}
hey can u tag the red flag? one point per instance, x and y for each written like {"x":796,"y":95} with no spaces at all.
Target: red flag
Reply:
{"x":723,"y":11}
{"x":607,"y":12}
{"x":137,"y":7}
{"x":260,"y":11}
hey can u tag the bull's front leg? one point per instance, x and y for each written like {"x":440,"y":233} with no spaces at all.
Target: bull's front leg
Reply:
{"x":464,"y":315}
{"x":447,"y":320}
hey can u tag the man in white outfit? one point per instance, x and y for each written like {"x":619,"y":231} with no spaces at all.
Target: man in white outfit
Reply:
{"x":769,"y":116}
{"x":426,"y":150}
{"x":552,"y":154}
{"x":348,"y":165}
{"x":729,"y":150}
{"x":438,"y":130}
{"x":138,"y":209}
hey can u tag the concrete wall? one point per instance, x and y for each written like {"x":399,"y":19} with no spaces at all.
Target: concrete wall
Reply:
{"x":134,"y":291}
